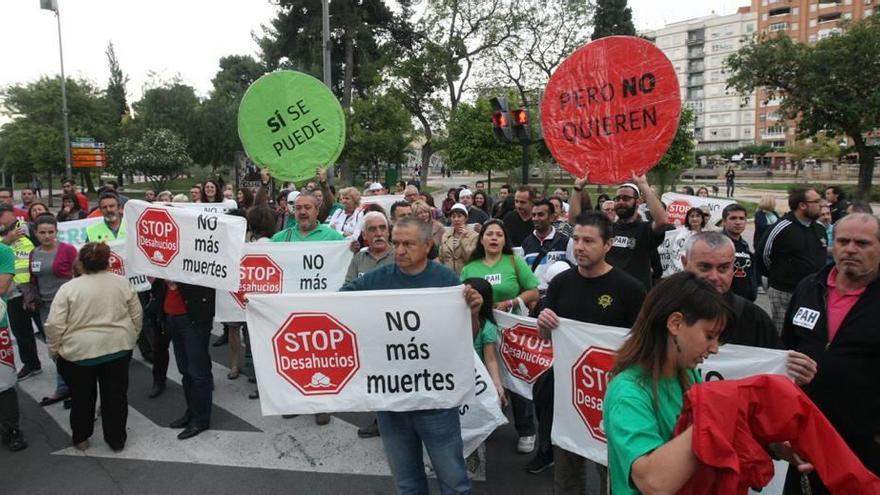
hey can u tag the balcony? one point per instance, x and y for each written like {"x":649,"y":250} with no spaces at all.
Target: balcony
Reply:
{"x":772,"y":135}
{"x":695,"y":81}
{"x":695,"y":41}
{"x":695,"y":53}
{"x":696,"y":66}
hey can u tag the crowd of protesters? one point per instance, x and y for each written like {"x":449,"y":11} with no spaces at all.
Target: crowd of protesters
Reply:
{"x":546,"y":256}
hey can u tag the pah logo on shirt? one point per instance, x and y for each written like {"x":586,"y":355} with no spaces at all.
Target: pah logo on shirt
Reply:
{"x":625,"y":242}
{"x":493,"y":278}
{"x":805,"y":317}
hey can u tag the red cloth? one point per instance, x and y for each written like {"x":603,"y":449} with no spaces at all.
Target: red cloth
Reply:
{"x":734,"y":419}
{"x":173,"y":305}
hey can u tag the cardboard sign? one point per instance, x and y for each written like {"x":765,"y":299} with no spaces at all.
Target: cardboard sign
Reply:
{"x":677,"y":206}
{"x":184,"y":244}
{"x":291,"y":123}
{"x":389,"y":350}
{"x":612,"y":108}
{"x":285,"y":267}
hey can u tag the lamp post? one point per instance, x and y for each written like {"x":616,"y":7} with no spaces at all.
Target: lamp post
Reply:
{"x":53,"y":6}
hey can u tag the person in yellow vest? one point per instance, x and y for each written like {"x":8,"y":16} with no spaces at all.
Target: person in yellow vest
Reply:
{"x":112,"y":227}
{"x":14,"y":233}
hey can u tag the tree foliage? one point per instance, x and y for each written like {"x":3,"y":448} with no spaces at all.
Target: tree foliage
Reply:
{"x":379,"y":133}
{"x":612,"y":17}
{"x":171,"y":106}
{"x":159,"y":154}
{"x":116,"y":91}
{"x":472,"y":144}
{"x":826,"y":86}
{"x":680,"y":155}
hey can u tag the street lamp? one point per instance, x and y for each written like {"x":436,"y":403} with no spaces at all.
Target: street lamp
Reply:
{"x":53,"y":6}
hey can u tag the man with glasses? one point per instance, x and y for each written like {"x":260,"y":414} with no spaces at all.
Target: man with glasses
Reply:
{"x":794,"y":248}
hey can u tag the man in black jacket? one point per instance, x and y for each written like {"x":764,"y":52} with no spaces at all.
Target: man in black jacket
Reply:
{"x":545,"y":245}
{"x":795,"y":247}
{"x":833,"y":318}
{"x":711,"y":256}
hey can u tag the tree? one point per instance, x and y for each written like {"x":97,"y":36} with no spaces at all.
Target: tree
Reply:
{"x":821,"y":146}
{"x":33,"y":140}
{"x":612,"y":17}
{"x":472,"y":144}
{"x":116,"y":91}
{"x":824,"y":86}
{"x":172,"y":106}
{"x":379,"y":133}
{"x":680,"y":155}
{"x":158,"y":154}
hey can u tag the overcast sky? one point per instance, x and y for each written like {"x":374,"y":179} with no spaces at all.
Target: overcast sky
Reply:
{"x":185,"y":37}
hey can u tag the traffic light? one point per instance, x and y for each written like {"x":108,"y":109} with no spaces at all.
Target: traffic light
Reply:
{"x":520,"y":119}
{"x":501,"y":119}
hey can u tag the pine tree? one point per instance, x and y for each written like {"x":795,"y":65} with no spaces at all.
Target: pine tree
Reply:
{"x":116,"y":85}
{"x":612,"y":17}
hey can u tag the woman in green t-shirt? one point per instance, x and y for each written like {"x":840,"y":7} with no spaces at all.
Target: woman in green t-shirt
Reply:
{"x":493,"y":260}
{"x":678,"y":327}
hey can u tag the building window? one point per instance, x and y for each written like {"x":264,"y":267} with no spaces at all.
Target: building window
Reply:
{"x":829,"y":17}
{"x":780,"y":11}
{"x":778,"y":26}
{"x":750,"y":28}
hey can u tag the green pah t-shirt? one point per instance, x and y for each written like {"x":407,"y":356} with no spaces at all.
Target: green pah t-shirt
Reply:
{"x":506,"y":280}
{"x":633,"y":426}
{"x":488,"y":335}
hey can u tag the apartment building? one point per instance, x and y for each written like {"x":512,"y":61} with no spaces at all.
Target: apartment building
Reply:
{"x":697,"y":48}
{"x":807,"y":21}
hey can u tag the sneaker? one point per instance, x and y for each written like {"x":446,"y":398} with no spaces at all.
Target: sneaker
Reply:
{"x":539,"y":463}
{"x":14,"y":440}
{"x":28,"y":372}
{"x":370,"y":431}
{"x":526,"y":445}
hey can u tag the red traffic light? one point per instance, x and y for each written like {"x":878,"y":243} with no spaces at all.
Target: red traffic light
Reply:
{"x":520,"y":117}
{"x":500,"y":120}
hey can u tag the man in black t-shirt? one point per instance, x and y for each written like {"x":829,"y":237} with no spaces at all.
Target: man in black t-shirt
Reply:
{"x":518,"y":223}
{"x":745,"y":273}
{"x":635,"y":240}
{"x":593,"y":292}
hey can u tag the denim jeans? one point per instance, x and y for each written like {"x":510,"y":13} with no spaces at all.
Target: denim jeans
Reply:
{"x":61,"y":388}
{"x":191,"y":342}
{"x":403,"y":434}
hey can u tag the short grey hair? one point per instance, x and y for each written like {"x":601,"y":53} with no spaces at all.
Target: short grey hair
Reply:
{"x":852,"y":217}
{"x":375,"y":214}
{"x":424,"y":228}
{"x":715,"y":240}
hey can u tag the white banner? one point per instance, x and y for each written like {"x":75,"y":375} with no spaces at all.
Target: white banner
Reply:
{"x":394,"y":350}
{"x":74,"y":231}
{"x":8,"y":376}
{"x":384,"y":200}
{"x":672,"y":249}
{"x":223,"y":207}
{"x":481,"y":415}
{"x":184,"y":245}
{"x":139,"y":283}
{"x":523,"y":355}
{"x":284,"y":267}
{"x":584,"y":358}
{"x":677,"y":206}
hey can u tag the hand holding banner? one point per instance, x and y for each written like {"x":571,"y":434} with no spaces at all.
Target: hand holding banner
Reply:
{"x":394,"y":350}
{"x":184,"y":245}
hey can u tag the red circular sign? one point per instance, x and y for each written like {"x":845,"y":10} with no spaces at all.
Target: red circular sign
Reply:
{"x":524,"y":353}
{"x":158,"y":236}
{"x":612,"y":108}
{"x":115,"y":264}
{"x":589,"y":379}
{"x":315,"y":353}
{"x":7,"y":354}
{"x":259,"y":274}
{"x":677,"y":211}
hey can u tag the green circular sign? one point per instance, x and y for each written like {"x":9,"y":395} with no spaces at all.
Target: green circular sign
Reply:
{"x":291,"y":123}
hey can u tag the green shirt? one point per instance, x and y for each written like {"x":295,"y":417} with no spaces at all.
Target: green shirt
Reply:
{"x":488,"y":335}
{"x":321,"y":233}
{"x":7,"y":267}
{"x":633,"y":426}
{"x":507,"y":281}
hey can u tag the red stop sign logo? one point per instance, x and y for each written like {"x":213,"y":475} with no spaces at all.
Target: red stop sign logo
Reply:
{"x":158,"y":236}
{"x":116,"y":264}
{"x":525,"y":354}
{"x":589,"y":379}
{"x":677,"y":211}
{"x":315,"y":353}
{"x":7,"y":355}
{"x":259,"y":275}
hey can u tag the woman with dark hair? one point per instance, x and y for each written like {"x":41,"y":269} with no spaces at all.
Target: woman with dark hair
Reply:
{"x":212,"y":192}
{"x":449,"y":202}
{"x":51,"y":266}
{"x":92,"y":327}
{"x":601,"y":199}
{"x":481,"y":202}
{"x":70,"y":208}
{"x":486,"y":339}
{"x":678,"y":327}
{"x":703,"y":192}
{"x":514,"y":288}
{"x":458,"y":241}
{"x":36,"y":209}
{"x":245,"y":198}
{"x":695,"y":220}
